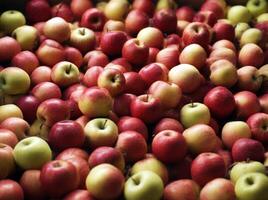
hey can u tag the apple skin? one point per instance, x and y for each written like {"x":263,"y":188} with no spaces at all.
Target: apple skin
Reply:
{"x":186,"y":76}
{"x":258,"y":126}
{"x":90,"y":77}
{"x":234,"y":130}
{"x":144,"y":6}
{"x":53,"y":110}
{"x":218,"y":188}
{"x":168,"y":124}
{"x":169,"y":146}
{"x":11,"y":44}
{"x":50,"y":52}
{"x":134,"y":83}
{"x":59,"y":172}
{"x":217,"y":7}
{"x":96,"y":58}
{"x":264,"y":103}
{"x":135,"y":21}
{"x":169,"y":56}
{"x":223,"y":31}
{"x":10,"y":110}
{"x":74,"y":56}
{"x":10,"y":20}
{"x":14,"y":81}
{"x":8,"y":137}
{"x":252,"y":35}
{"x":182,"y":189}
{"x":31,"y":185}
{"x":10,"y":189}
{"x":72,"y":152}
{"x":105,"y":182}
{"x":66,"y":134}
{"x":146,"y":107}
{"x":224,"y":44}
{"x":200,"y":138}
{"x":205,"y":16}
{"x":219,"y":53}
{"x":25,"y":60}
{"x":259,"y":181}
{"x":46,"y":90}
{"x":113,"y":25}
{"x":32,"y":153}
{"x":78,"y":7}
{"x":41,"y":74}
{"x":247,"y":103}
{"x":251,"y":55}
{"x":93,"y":19}
{"x":206,"y":167}
{"x":245,"y":148}
{"x":241,"y":168}
{"x":132,"y":145}
{"x":165,"y":20}
{"x":151,"y":164}
{"x":28,"y":105}
{"x":7,"y":160}
{"x":185,"y":13}
{"x":190,"y":35}
{"x":112,"y":42}
{"x":108,"y":155}
{"x":151,"y":37}
{"x":101,"y":132}
{"x":37,"y":11}
{"x":144,"y":185}
{"x":238,"y":13}
{"x":190,"y":114}
{"x":79,"y":195}
{"x":257,"y":10}
{"x":62,"y":10}
{"x":218,"y":97}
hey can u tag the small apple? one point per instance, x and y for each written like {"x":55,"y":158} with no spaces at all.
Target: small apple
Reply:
{"x":10,"y":20}
{"x":41,"y":74}
{"x":251,"y":55}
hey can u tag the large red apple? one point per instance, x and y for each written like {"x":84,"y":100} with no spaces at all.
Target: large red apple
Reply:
{"x":10,"y":189}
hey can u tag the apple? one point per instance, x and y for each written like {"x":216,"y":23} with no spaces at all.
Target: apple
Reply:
{"x":168,"y":56}
{"x":41,"y":74}
{"x":83,"y":39}
{"x":247,"y":103}
{"x":206,"y":167}
{"x":91,"y":75}
{"x":257,"y":181}
{"x":257,"y":8}
{"x":217,"y":7}
{"x":240,"y":28}
{"x":245,"y":167}
{"x":52,"y":110}
{"x":74,"y":56}
{"x":28,"y":105}
{"x":116,"y":10}
{"x":66,"y":134}
{"x":218,"y":188}
{"x":180,"y":170}
{"x":169,"y":146}
{"x":135,"y":21}
{"x":144,"y":6}
{"x":144,"y":185}
{"x":251,"y":54}
{"x":10,"y":20}
{"x":93,"y":19}
{"x":165,"y":20}
{"x":205,"y":16}
{"x":72,"y":152}
{"x":101,"y":132}
{"x":182,"y":189}
{"x":251,"y":35}
{"x":248,"y":149}
{"x":200,"y":138}
{"x":46,"y":90}
{"x":78,"y":7}
{"x":262,"y":17}
{"x":221,"y":53}
{"x":7,"y":160}
{"x":134,"y":83}
{"x":152,"y":54}
{"x":263,"y":101}
{"x":31,"y":185}
{"x":95,"y":102}
{"x":151,"y":37}
{"x":193,"y":54}
{"x":113,"y":25}
{"x":65,"y":74}
{"x":37,"y":11}
{"x":238,"y":13}
{"x":79,"y":195}
{"x":32,"y":153}
{"x":218,"y":97}
{"x":185,"y":13}
{"x":168,"y":124}
{"x":8,"y":137}
{"x":196,"y":32}
{"x":146,"y":107}
{"x":132,"y":145}
{"x":194,"y":113}
{"x":13,"y":48}
{"x":258,"y":125}
{"x":223,"y":30}
{"x":59,"y":172}
{"x":10,"y":110}
{"x":105,"y":182}
{"x":50,"y":52}
{"x":10,"y":189}
{"x":64,"y":11}
{"x":151,"y":164}
{"x":165,"y":4}
{"x":25,"y":60}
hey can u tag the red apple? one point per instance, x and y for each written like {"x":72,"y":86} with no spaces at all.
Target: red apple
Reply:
{"x":62,"y":10}
{"x":78,"y":7}
{"x":222,"y":53}
{"x":72,"y":152}
{"x":206,"y":17}
{"x":251,"y":54}
{"x":122,"y":104}
{"x":134,"y":83}
{"x":96,"y":58}
{"x":258,"y":125}
{"x":8,"y":137}
{"x":185,"y":13}
{"x":46,"y":90}
{"x":74,"y":56}
{"x":168,"y":56}
{"x":91,"y":76}
{"x":165,"y":20}
{"x":224,"y":44}
{"x":152,"y":55}
{"x":172,"y":39}
{"x":135,"y":21}
{"x":93,"y":19}
{"x":37,"y":11}
{"x":144,"y":6}
{"x":122,"y":62}
{"x":215,"y":7}
{"x":168,"y":124}
{"x":41,"y":74}
{"x":10,"y":189}
{"x":223,"y":31}
{"x":180,"y":170}
{"x":7,"y":162}
{"x":13,"y":48}
{"x":113,"y":25}
{"x":152,"y":37}
{"x":79,"y":195}
{"x":264,"y":103}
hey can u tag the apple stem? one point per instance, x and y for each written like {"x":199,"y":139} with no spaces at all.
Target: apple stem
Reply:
{"x":136,"y":182}
{"x":192,"y":103}
{"x":248,"y":160}
{"x":69,"y":69}
{"x":105,"y":123}
{"x":82,"y":31}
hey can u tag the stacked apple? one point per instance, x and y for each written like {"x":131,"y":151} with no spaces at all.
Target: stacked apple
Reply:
{"x":134,"y":100}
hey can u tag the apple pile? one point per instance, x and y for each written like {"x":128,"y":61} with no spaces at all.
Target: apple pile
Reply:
{"x":134,"y":100}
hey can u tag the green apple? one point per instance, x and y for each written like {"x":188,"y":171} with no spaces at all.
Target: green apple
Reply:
{"x":10,"y":20}
{"x":257,"y":7}
{"x":101,"y":132}
{"x":10,"y":110}
{"x":105,"y":181}
{"x":14,"y":81}
{"x":251,"y":35}
{"x":194,"y":113}
{"x":262,"y":18}
{"x":65,"y":73}
{"x":242,"y":168}
{"x":238,"y":14}
{"x":151,"y":164}
{"x":144,"y":185}
{"x":27,"y":37}
{"x":252,"y":186}
{"x":32,"y":153}
{"x":240,"y":28}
